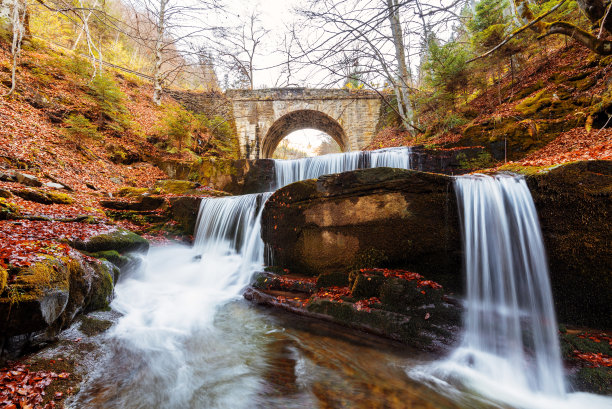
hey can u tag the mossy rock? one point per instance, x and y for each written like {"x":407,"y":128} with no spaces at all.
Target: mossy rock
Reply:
{"x":60,"y":198}
{"x":8,"y":210}
{"x":401,"y":295}
{"x":594,"y":380}
{"x":40,"y":196}
{"x":407,"y":329}
{"x":366,"y":286}
{"x":3,"y":278}
{"x":101,"y":293}
{"x":332,"y":280}
{"x":528,"y":91}
{"x":120,"y":240}
{"x":112,"y":256}
{"x":133,"y":192}
{"x":93,"y":326}
{"x":177,"y":187}
{"x":574,"y":204}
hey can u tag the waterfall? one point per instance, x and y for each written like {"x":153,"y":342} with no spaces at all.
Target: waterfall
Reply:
{"x":509,"y":300}
{"x":290,"y":171}
{"x":232,"y":224}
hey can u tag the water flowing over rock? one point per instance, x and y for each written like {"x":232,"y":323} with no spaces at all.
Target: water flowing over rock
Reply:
{"x":325,"y":225}
{"x":509,"y":300}
{"x":290,"y":171}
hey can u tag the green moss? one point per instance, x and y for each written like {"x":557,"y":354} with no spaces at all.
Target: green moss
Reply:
{"x":177,"y":187}
{"x":102,"y":290}
{"x":521,"y":169}
{"x":120,"y":240}
{"x":8,"y":210}
{"x":529,"y":106}
{"x":92,"y":326}
{"x":367,"y":286}
{"x":60,"y":198}
{"x":596,"y":380}
{"x":111,"y":255}
{"x":332,"y":280}
{"x":32,"y":282}
{"x":128,"y":191}
{"x":3,"y":278}
{"x":482,"y":161}
{"x":528,"y":91}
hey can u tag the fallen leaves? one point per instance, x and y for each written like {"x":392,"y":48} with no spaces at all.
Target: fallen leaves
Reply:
{"x":22,"y":388}
{"x":594,"y":359}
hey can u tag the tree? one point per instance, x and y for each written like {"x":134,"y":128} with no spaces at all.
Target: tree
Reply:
{"x":176,"y":27}
{"x":239,"y":46}
{"x":382,"y":35}
{"x":596,"y":11}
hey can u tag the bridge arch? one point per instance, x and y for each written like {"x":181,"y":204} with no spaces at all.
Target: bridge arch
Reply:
{"x":302,"y":119}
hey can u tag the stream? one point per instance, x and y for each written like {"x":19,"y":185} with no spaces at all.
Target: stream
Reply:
{"x":187,"y":339}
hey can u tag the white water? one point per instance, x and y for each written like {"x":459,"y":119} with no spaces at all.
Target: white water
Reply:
{"x":290,"y":171}
{"x":510,"y":352}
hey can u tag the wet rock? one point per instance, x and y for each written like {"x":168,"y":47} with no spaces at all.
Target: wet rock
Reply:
{"x":184,"y":211}
{"x":396,"y":304}
{"x":407,"y":218}
{"x":574,"y":204}
{"x":120,"y":240}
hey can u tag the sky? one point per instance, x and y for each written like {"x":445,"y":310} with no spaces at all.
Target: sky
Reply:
{"x":275,"y":16}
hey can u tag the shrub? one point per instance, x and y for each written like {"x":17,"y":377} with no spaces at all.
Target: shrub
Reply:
{"x":109,"y":98}
{"x":78,"y":127}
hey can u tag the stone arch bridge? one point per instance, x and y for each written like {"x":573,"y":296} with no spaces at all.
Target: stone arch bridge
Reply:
{"x":265,"y":117}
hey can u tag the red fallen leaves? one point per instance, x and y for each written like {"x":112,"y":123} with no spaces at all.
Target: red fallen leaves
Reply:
{"x":333,"y":293}
{"x":575,"y":144}
{"x":20,"y":388}
{"x":366,"y":305}
{"x":596,"y":337}
{"x":26,"y":242}
{"x":406,"y":275}
{"x":595,"y":359}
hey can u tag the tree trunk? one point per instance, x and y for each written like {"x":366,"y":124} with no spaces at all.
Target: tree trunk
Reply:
{"x":405,"y":108}
{"x":159,"y":46}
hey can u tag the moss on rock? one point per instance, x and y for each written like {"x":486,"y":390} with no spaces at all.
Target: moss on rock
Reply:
{"x":8,"y":210}
{"x":335,"y":279}
{"x":119,"y":240}
{"x":93,"y":326}
{"x":102,"y":289}
{"x":3,"y":278}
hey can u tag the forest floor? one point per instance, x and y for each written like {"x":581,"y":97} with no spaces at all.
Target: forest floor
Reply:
{"x":545,"y":73}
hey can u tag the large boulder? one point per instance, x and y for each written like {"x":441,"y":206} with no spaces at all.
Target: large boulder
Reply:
{"x":374,"y":217}
{"x":574,"y":204}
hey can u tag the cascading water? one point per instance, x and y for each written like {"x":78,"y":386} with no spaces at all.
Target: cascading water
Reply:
{"x":509,"y":300}
{"x":290,"y":171}
{"x":510,"y":352}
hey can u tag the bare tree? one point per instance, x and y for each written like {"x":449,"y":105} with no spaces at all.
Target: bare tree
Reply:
{"x":383,"y":35}
{"x":176,"y":27}
{"x":239,"y":46}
